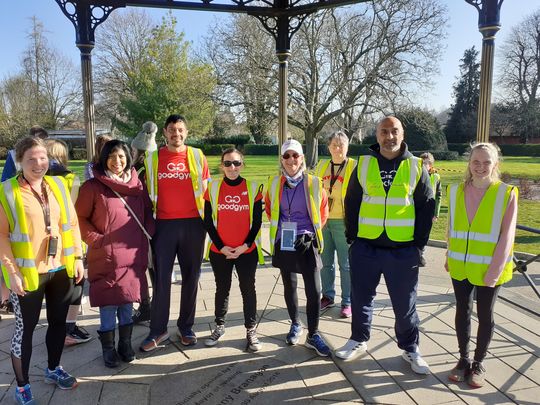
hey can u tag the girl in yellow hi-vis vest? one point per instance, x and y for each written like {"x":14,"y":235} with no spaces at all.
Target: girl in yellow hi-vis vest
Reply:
{"x":481,"y":229}
{"x":40,"y":251}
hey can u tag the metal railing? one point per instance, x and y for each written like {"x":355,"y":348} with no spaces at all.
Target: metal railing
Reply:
{"x":521,"y":265}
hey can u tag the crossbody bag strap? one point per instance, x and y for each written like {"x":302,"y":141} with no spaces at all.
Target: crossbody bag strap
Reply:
{"x":134,"y":216}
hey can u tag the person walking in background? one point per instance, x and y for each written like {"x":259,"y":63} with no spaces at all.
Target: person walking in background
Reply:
{"x":58,"y":163}
{"x":297,"y":207}
{"x":233,"y":218}
{"x":481,"y":230}
{"x":116,"y":220}
{"x":335,"y":174}
{"x":40,"y":251}
{"x":176,"y":177}
{"x":145,"y":141}
{"x":388,"y":216}
{"x":435,"y":180}
{"x":98,"y":145}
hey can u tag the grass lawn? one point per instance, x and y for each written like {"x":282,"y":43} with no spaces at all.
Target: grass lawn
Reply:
{"x":259,"y":168}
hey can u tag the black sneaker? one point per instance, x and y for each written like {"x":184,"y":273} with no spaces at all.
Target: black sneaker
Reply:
{"x":142,"y":314}
{"x":6,"y":306}
{"x":461,"y":371}
{"x":77,"y":336}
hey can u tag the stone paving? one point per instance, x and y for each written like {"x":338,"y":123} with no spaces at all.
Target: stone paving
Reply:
{"x":228,"y":374}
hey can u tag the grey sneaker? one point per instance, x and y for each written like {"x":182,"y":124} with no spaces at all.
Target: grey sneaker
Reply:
{"x":253,"y":342}
{"x":214,"y":337}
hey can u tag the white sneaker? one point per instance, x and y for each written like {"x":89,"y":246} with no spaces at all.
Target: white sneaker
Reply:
{"x":214,"y":337}
{"x":351,"y":349}
{"x":418,"y":364}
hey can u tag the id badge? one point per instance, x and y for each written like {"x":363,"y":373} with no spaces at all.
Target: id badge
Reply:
{"x":288,"y":236}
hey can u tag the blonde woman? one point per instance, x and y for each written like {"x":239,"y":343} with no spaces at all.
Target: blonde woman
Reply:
{"x":481,"y":229}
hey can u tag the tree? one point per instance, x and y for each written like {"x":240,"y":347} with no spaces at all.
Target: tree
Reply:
{"x":422,"y":130}
{"x":243,"y":57}
{"x":520,"y":74}
{"x":461,"y":125}
{"x":167,"y":82}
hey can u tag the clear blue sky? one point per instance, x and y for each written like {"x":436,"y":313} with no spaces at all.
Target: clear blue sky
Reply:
{"x":462,"y":34}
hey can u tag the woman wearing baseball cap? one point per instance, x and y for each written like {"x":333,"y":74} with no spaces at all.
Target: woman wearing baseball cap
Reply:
{"x":297,"y":207}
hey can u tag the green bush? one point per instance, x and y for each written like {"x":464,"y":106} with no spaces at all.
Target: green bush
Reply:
{"x":460,"y":148}
{"x":439,"y":154}
{"x":78,"y":154}
{"x":238,"y":140}
{"x":214,"y":150}
{"x":520,"y":150}
{"x":3,"y":152}
{"x":252,"y":149}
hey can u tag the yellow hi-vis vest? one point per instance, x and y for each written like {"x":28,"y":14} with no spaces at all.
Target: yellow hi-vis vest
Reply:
{"x":252,"y":188}
{"x":11,"y":200}
{"x":392,"y":212}
{"x":434,"y":178}
{"x":73,"y":184}
{"x":196,"y":164}
{"x":471,"y":246}
{"x":322,"y":166}
{"x":313,"y":193}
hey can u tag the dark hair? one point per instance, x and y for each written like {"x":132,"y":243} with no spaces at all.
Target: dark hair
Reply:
{"x":98,"y":145}
{"x":38,"y":131}
{"x":231,"y":150}
{"x":111,"y":147}
{"x":27,"y":143}
{"x":174,"y":118}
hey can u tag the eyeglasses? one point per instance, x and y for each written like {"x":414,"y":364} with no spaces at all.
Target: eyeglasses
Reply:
{"x":288,"y":155}
{"x":229,"y":163}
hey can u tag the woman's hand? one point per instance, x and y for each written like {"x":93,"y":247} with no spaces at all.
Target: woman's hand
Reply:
{"x":16,"y":284}
{"x":228,"y":252}
{"x":239,"y":250}
{"x":79,"y":270}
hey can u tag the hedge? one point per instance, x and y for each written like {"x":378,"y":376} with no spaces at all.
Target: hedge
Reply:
{"x":506,"y":150}
{"x":214,"y":150}
{"x":252,"y":149}
{"x":78,"y":154}
{"x":439,"y":154}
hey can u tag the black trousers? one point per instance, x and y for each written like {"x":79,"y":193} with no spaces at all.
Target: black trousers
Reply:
{"x":485,"y":302}
{"x":57,"y":289}
{"x":246,"y":266}
{"x":309,"y":266}
{"x":182,"y":239}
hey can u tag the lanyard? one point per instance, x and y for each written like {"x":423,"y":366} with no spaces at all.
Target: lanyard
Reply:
{"x":334,"y":177}
{"x":44,"y":202}
{"x":290,"y":201}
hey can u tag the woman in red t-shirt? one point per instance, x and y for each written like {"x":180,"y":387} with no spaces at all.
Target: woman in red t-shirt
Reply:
{"x":232,"y":218}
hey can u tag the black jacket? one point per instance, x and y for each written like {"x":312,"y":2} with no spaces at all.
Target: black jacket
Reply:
{"x":424,"y":203}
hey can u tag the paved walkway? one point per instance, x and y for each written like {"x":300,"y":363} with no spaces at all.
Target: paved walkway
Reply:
{"x":228,"y":374}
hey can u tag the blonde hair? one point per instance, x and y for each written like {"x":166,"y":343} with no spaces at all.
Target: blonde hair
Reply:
{"x":495,"y":155}
{"x":27,"y":143}
{"x":57,"y":150}
{"x":340,"y":137}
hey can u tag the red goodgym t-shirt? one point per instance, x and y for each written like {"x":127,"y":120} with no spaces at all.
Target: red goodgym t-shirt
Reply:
{"x":233,"y":215}
{"x":175,"y":190}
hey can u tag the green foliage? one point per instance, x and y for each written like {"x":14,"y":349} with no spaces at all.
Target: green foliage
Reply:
{"x":78,"y":154}
{"x":506,"y":150}
{"x":461,"y":125}
{"x":252,"y":149}
{"x":167,"y":82}
{"x":422,"y":130}
{"x":213,"y":149}
{"x":439,"y":154}
{"x":238,"y":140}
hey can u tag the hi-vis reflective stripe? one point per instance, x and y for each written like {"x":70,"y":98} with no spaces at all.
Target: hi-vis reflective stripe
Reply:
{"x":498,"y":212}
{"x":10,"y":197}
{"x":25,"y":262}
{"x":388,"y":222}
{"x":316,"y":195}
{"x":150,"y":169}
{"x":389,"y":200}
{"x":19,"y":237}
{"x":60,"y":184}
{"x":364,"y":171}
{"x":470,"y":258}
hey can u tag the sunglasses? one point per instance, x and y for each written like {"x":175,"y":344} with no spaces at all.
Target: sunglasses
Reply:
{"x":229,"y":163}
{"x":288,"y":155}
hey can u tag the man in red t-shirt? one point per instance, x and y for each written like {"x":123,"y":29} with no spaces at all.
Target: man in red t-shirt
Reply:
{"x":176,"y":178}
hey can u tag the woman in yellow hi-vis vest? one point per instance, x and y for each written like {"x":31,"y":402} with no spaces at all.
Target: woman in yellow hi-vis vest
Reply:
{"x":40,"y":251}
{"x":481,"y":230}
{"x":297,"y":207}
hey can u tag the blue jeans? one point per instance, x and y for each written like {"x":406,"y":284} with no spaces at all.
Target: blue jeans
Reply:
{"x":108,"y":314}
{"x":335,"y":242}
{"x":400,"y":270}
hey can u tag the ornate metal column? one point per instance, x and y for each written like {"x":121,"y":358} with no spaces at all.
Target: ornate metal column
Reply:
{"x":85,"y":19}
{"x":488,"y":25}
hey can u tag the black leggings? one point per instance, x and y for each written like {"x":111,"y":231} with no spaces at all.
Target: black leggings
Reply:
{"x":57,"y":290}
{"x":246,"y":266}
{"x":485,"y":302}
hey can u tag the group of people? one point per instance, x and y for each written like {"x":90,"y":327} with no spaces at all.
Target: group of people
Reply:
{"x":145,"y":207}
